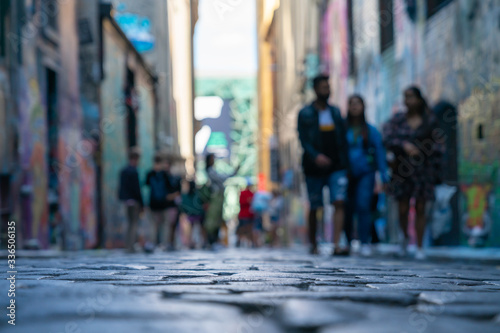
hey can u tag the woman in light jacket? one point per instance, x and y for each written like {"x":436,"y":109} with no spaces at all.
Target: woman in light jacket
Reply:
{"x":214,"y":217}
{"x":366,"y":157}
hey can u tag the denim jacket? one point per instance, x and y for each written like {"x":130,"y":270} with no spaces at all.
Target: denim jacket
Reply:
{"x":310,"y":138}
{"x":364,"y":160}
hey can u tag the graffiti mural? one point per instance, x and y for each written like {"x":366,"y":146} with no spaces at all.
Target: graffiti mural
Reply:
{"x":453,"y":56}
{"x":114,"y":147}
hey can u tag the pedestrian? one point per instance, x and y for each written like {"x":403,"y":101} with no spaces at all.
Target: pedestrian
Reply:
{"x":246,"y":217}
{"x":325,"y":160}
{"x":130,"y":194}
{"x":192,"y":206}
{"x":158,"y":183}
{"x":174,"y":200}
{"x":275,"y":208}
{"x":260,"y":206}
{"x":366,"y":157}
{"x":214,"y":218}
{"x":414,"y":153}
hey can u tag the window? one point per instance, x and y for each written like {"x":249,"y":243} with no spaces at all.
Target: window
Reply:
{"x":480,"y":132}
{"x":4,"y":10}
{"x":131,"y":103}
{"x":433,"y":6}
{"x":51,"y":10}
{"x":386,"y":24}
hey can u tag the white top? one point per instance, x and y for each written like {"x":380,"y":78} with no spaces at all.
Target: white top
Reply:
{"x":326,"y":123}
{"x":217,"y":180}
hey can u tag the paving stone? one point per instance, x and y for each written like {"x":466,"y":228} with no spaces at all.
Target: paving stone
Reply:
{"x":251,"y":291}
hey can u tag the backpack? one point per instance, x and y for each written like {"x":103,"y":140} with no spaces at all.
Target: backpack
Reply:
{"x":204,"y":193}
{"x":261,"y":202}
{"x":158,"y":187}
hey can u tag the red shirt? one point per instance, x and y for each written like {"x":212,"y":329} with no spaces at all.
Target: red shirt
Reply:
{"x":246,"y":197}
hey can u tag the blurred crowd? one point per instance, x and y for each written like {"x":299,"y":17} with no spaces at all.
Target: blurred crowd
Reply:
{"x":351,"y":158}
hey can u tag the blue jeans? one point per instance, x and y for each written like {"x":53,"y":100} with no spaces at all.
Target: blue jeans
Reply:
{"x":359,"y":201}
{"x":336,"y":183}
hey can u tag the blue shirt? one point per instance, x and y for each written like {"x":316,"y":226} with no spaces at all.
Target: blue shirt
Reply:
{"x":367,"y":159}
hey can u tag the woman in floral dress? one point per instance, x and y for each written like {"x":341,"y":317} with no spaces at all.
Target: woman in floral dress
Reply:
{"x":414,"y":144}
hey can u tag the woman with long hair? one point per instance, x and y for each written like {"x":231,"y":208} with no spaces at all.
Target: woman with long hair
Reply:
{"x":366,"y":157}
{"x":213,"y":220}
{"x":415,"y":149}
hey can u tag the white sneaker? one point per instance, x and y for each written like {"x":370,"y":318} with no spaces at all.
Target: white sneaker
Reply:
{"x":411,"y":249}
{"x":420,"y":255}
{"x":403,"y":248}
{"x":355,"y":246}
{"x":366,"y":250}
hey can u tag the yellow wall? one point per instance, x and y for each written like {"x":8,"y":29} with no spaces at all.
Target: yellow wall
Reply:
{"x":265,"y":14}
{"x":179,"y":15}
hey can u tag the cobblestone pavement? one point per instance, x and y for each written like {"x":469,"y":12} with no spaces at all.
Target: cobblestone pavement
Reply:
{"x":250,"y":291}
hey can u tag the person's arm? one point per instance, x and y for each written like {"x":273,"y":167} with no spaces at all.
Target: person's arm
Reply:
{"x":380,"y":156}
{"x":173,"y":189}
{"x":390,"y":138}
{"x":217,"y":177}
{"x":306,"y":145}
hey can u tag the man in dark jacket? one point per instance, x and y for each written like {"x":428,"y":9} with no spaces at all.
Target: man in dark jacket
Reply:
{"x":158,"y":182}
{"x":322,"y":134}
{"x":130,"y":195}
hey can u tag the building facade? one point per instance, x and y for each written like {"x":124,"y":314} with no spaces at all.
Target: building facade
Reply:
{"x":75,"y":96}
{"x":288,"y":59}
{"x":43,"y":185}
{"x":183,"y":17}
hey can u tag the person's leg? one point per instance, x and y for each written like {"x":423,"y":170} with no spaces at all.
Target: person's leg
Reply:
{"x":128,"y":239}
{"x":133,"y":219}
{"x":249,"y":235}
{"x":173,"y":220}
{"x":338,"y":220}
{"x":350,"y":205}
{"x":312,"y":226}
{"x":337,"y":183}
{"x":156,"y":219}
{"x":374,"y":217}
{"x":192,"y":222}
{"x":404,"y":209}
{"x":420,"y":221}
{"x":363,"y":206}
{"x":315,"y":193}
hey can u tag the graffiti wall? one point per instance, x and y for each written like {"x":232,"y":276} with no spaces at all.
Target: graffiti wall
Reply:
{"x":335,"y":49}
{"x":120,"y":64}
{"x":453,"y":56}
{"x":114,"y":146}
{"x":33,"y":182}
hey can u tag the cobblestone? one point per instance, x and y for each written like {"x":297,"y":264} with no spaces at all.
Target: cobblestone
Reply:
{"x":251,"y":291}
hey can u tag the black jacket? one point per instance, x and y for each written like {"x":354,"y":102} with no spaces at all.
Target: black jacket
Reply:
{"x":130,"y":188}
{"x":172,"y":185}
{"x":310,"y":138}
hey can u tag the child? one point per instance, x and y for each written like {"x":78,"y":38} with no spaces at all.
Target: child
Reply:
{"x":275,"y":209}
{"x":192,"y":206}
